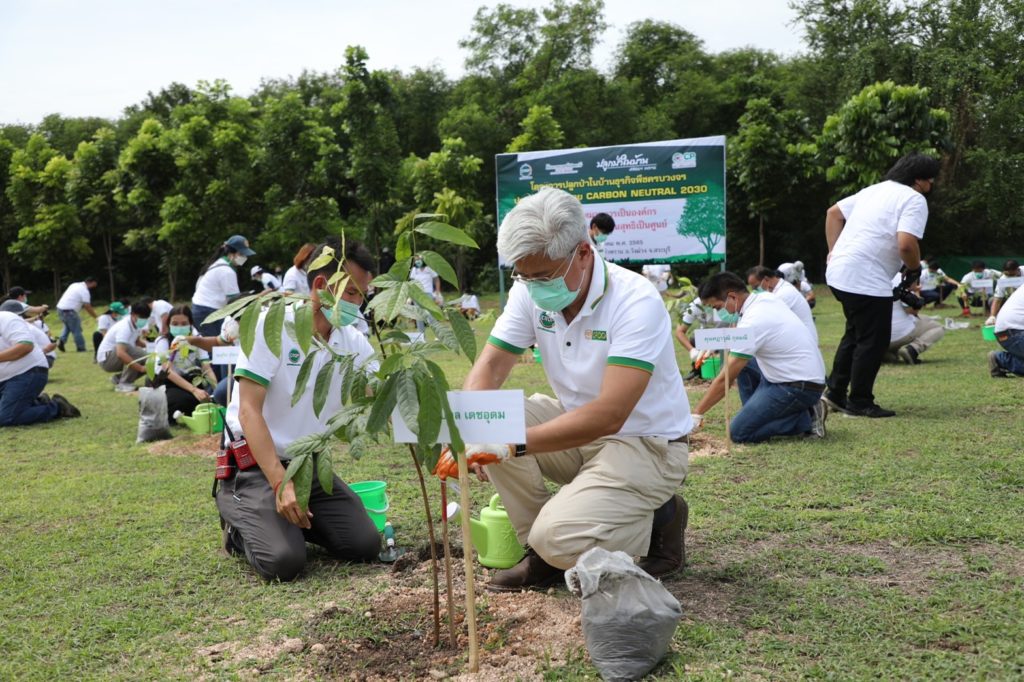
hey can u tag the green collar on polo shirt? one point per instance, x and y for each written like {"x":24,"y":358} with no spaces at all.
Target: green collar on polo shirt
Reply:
{"x":593,"y":293}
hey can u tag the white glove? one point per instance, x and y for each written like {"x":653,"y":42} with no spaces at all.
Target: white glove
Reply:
{"x":178,"y":342}
{"x":694,"y":354}
{"x":698,"y":422}
{"x":990,"y":321}
{"x":229,"y":330}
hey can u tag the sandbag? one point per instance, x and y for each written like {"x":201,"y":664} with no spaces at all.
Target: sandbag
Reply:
{"x":628,"y":616}
{"x":153,"y":423}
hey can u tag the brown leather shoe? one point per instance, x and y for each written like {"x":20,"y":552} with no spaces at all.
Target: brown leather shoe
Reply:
{"x":667,"y":553}
{"x":531,"y":573}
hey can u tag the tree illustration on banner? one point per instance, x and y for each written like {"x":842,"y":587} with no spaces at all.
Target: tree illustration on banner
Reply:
{"x":702,"y":219}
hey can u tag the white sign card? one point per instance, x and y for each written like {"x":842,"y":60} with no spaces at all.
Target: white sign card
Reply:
{"x":724,"y":338}
{"x":1011,"y":283}
{"x":482,"y":417}
{"x":980,"y":284}
{"x":225,"y":355}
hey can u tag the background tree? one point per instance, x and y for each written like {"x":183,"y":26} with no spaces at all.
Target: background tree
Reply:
{"x":701,"y":219}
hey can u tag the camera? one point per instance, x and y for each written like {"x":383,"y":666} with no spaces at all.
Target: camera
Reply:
{"x":907,"y":297}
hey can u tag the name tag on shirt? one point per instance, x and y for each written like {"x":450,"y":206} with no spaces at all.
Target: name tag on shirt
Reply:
{"x":481,"y":416}
{"x":722,"y":339}
{"x":225,"y":355}
{"x":1011,"y":282}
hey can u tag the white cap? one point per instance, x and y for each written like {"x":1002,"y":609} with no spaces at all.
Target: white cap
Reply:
{"x":255,"y":271}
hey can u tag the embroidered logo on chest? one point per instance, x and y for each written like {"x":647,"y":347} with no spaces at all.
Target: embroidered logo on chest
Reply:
{"x":546,"y":320}
{"x":596,"y":335}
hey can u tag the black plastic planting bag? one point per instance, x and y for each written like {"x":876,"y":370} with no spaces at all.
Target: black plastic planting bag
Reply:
{"x":153,"y":415}
{"x":628,"y":616}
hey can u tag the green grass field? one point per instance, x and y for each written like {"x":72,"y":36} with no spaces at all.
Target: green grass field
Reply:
{"x":893,"y":549}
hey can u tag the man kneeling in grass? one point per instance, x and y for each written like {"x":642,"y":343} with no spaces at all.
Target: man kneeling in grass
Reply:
{"x":780,"y":374}
{"x":261,"y":518}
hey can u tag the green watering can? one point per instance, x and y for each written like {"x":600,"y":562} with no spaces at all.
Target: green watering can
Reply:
{"x":494,"y":537}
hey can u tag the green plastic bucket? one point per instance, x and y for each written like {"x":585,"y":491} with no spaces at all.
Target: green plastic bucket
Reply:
{"x":709,"y":368}
{"x":375,"y":498}
{"x":989,"y":332}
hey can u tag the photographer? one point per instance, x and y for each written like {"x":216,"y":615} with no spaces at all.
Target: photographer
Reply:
{"x":870,"y":234}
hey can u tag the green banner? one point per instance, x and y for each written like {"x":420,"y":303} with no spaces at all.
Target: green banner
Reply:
{"x":667,"y":198}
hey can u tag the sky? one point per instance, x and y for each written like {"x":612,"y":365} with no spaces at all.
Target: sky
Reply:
{"x":95,"y":57}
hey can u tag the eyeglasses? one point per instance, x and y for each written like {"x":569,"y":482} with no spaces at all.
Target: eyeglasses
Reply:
{"x":544,"y":280}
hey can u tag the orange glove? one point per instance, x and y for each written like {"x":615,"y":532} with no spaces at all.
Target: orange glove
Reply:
{"x":476,"y":453}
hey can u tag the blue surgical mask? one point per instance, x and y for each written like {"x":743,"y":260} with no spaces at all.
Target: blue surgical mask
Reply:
{"x":342,"y":314}
{"x":183,"y":330}
{"x":600,"y":238}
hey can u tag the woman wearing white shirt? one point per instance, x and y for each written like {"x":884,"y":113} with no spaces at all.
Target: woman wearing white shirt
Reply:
{"x":295,"y":277}
{"x":218,"y":284}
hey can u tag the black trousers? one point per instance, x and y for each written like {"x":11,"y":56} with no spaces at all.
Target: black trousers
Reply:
{"x":862,"y":348}
{"x":277,"y":548}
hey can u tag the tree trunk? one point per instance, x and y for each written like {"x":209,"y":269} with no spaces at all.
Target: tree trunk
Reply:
{"x":56,"y":286}
{"x":760,"y":235}
{"x":108,"y":251}
{"x":5,"y":265}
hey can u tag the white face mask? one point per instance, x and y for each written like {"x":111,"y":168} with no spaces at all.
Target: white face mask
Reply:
{"x":238,"y":259}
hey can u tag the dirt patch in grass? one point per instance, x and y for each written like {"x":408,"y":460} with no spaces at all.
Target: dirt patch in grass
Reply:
{"x":707,"y":445}
{"x":186,"y":444}
{"x":516,"y":633}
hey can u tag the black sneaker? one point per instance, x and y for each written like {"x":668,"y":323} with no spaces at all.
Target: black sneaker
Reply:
{"x":873,"y":411}
{"x":835,"y":403}
{"x":908,"y":355}
{"x":60,"y":345}
{"x":67,"y":410}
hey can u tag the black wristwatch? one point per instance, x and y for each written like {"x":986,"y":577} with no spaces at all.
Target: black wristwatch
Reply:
{"x":520,"y":449}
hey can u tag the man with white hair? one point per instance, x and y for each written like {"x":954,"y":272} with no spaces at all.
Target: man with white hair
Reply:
{"x":615,"y":435}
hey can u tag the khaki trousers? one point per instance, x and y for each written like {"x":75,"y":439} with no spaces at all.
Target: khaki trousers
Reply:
{"x":114,"y":364}
{"x":926,"y":333}
{"x":609,"y":491}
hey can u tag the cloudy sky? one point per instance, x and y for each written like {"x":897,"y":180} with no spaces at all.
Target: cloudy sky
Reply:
{"x":95,"y":57}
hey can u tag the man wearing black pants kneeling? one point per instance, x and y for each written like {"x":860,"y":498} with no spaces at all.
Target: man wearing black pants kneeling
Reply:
{"x":870,"y":235}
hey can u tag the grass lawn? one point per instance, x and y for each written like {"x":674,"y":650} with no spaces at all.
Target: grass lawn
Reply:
{"x":893,"y":549}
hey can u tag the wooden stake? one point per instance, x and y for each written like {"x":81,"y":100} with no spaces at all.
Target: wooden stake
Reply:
{"x":452,"y":641}
{"x":725,"y":401}
{"x":467,"y":554}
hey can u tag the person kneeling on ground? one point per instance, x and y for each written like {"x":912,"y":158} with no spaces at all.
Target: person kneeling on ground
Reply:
{"x":1010,"y":335}
{"x":187,"y":373}
{"x":24,"y":373}
{"x":615,"y":436}
{"x":121,"y":351}
{"x":261,"y":518}
{"x":912,"y":334}
{"x":780,"y":374}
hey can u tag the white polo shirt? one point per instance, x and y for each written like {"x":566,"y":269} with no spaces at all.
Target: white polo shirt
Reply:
{"x":424,"y":277}
{"x":104,"y":322}
{"x":1011,"y":315}
{"x":903,"y":323}
{"x":215,"y":285}
{"x":987,"y":273}
{"x":159,"y":309}
{"x":930,"y":279}
{"x":279,"y":374}
{"x":123,"y":331}
{"x":74,"y":297}
{"x":783,"y":346}
{"x":295,"y":280}
{"x":270,"y":281}
{"x":14,"y":330}
{"x":788,"y":294}
{"x":866,"y":255}
{"x":623,"y":322}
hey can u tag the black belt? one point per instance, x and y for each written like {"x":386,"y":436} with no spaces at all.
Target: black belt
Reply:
{"x":685,"y":438}
{"x":804,"y":385}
